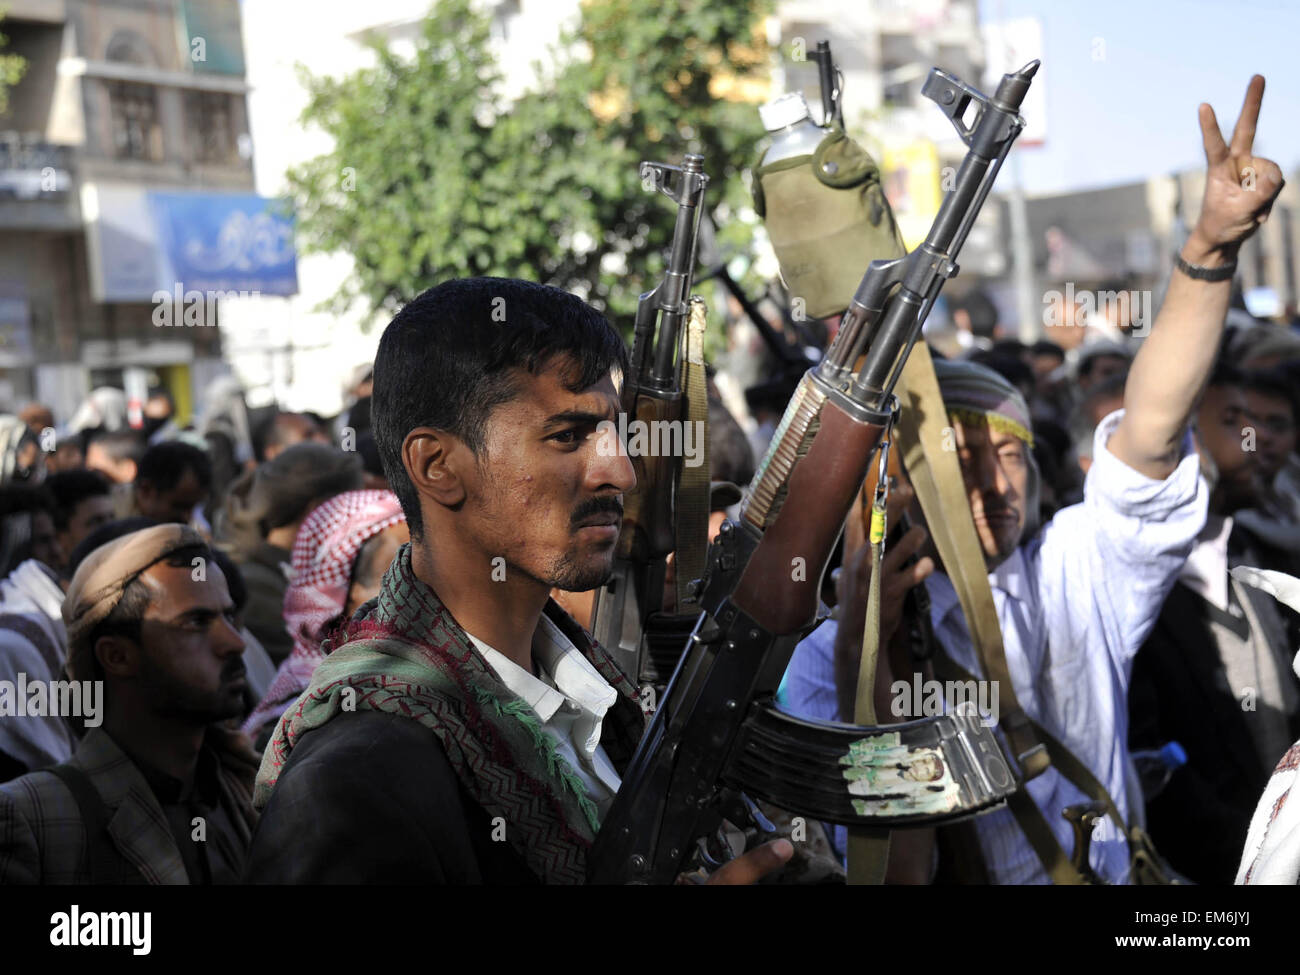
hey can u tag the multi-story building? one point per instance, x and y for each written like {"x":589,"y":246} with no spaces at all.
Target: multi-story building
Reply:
{"x":126,"y":176}
{"x":1127,"y":235}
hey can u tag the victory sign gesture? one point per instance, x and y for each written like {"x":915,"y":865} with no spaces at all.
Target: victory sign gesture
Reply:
{"x":1239,"y":187}
{"x":1173,"y":364}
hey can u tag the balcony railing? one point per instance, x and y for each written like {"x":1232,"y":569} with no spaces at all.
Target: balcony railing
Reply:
{"x":32,"y":169}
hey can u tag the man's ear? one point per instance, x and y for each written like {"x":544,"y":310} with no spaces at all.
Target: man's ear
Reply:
{"x":435,"y":461}
{"x":118,"y":656}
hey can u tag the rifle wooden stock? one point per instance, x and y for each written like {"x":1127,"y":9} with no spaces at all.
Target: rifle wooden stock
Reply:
{"x":717,"y":731}
{"x":821,"y":493}
{"x":647,"y":531}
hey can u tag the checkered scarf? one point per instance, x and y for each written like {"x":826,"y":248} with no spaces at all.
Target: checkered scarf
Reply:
{"x":324,"y":552}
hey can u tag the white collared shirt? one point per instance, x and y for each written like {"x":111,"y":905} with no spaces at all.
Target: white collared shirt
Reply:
{"x":570,"y":698}
{"x":1206,"y":571}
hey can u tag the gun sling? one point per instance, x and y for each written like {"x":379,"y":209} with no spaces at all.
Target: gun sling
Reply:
{"x":868,"y":851}
{"x":100,"y":859}
{"x":692,"y":496}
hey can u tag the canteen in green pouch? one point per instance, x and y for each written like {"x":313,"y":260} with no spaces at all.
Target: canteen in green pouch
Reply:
{"x":827,"y":217}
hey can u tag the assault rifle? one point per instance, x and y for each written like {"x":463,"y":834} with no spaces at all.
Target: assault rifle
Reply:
{"x":717,"y":737}
{"x":663,"y":392}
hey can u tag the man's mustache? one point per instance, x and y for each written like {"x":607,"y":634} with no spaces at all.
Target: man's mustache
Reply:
{"x":997,"y":509}
{"x":606,"y":505}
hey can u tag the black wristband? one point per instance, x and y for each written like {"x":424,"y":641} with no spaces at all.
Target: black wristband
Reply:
{"x":1221,"y":273}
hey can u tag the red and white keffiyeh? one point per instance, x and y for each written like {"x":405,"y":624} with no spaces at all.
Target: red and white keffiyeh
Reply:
{"x":323,"y":555}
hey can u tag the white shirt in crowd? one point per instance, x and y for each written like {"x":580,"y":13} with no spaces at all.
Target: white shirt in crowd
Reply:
{"x":571,"y":699}
{"x":1094,"y":579}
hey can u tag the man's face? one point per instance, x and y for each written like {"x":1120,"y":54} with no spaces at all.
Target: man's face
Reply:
{"x":191,"y":656}
{"x":924,"y":769}
{"x":176,"y":504}
{"x":158,"y":408}
{"x":1275,"y":431}
{"x":1044,"y":364}
{"x":88,"y":515}
{"x":547,"y":495}
{"x":995,"y":468}
{"x":1220,"y":420}
{"x":66,"y":457}
{"x":45,"y":542}
{"x":117,"y":471}
{"x":294,"y":428}
{"x":1100,"y":369}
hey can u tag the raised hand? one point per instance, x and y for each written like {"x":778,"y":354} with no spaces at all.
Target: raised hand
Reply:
{"x":1239,"y":187}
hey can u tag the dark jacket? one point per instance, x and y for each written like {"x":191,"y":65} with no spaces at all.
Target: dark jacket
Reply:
{"x":264,"y":612}
{"x":1179,"y":692}
{"x":371,"y":798}
{"x":44,"y":839}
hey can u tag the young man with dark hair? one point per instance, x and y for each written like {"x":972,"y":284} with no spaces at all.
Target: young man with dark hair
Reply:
{"x":283,"y":430}
{"x":115,"y":455}
{"x":173,"y":479}
{"x":1271,"y":398}
{"x":1215,"y":674}
{"x":159,"y":409}
{"x":82,"y":502}
{"x":27,"y":529}
{"x":1271,"y":430}
{"x":260,"y":519}
{"x":157,"y":791}
{"x":466,"y":730}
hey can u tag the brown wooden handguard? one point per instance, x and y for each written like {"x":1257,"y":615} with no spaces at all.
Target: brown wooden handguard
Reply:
{"x":821,"y":491}
{"x":647,"y":531}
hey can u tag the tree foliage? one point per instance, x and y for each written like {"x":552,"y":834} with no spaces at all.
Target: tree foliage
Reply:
{"x":433,"y":177}
{"x":12,"y":68}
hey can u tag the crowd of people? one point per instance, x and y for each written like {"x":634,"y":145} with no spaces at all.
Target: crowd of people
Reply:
{"x":287,"y":648}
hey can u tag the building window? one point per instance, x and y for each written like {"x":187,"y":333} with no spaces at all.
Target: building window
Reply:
{"x":210,"y":127}
{"x":128,"y":47}
{"x":134,"y":111}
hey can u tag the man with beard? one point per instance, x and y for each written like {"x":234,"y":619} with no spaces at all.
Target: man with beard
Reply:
{"x":1215,"y":674}
{"x":157,"y":791}
{"x":464,"y":729}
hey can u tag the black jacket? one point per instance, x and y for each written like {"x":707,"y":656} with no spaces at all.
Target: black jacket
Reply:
{"x":1179,"y":692}
{"x":371,"y":798}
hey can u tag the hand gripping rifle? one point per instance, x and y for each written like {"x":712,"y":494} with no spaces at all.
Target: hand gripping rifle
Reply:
{"x":717,"y":734}
{"x":663,"y":393}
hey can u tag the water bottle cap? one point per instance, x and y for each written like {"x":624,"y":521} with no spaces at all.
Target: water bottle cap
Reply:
{"x":786,"y":110}
{"x":1173,"y":755}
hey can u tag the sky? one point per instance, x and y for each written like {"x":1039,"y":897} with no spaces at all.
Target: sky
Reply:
{"x":1131,"y":114}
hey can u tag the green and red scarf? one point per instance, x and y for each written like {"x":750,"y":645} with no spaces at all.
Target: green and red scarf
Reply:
{"x":409,"y":657}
